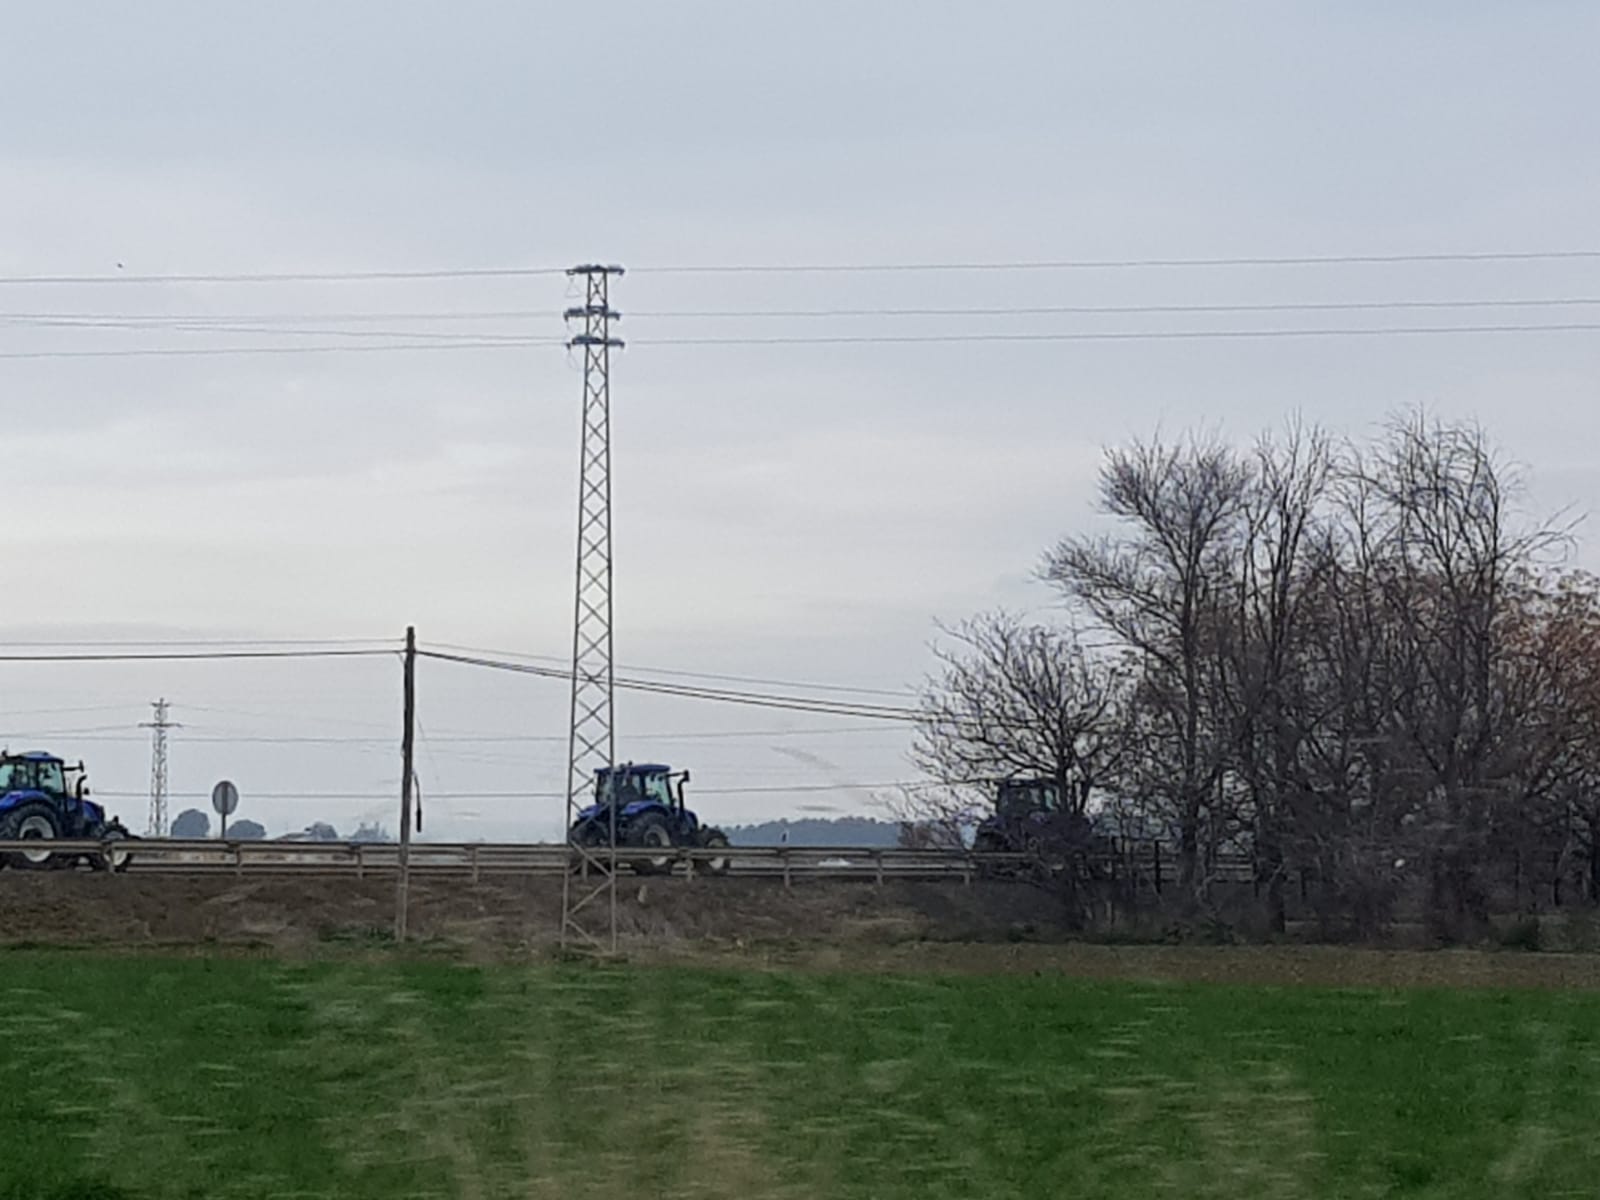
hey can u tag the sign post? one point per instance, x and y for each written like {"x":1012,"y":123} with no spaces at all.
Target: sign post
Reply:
{"x":225,"y":799}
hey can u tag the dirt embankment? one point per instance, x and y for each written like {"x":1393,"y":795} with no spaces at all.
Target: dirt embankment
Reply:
{"x":902,"y":927}
{"x":515,"y":915}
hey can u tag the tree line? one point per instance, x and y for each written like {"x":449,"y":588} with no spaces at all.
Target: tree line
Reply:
{"x":1357,"y":662}
{"x":196,"y":824}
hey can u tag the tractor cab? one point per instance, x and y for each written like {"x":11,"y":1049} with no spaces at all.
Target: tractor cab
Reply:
{"x":1019,"y":799}
{"x":639,"y":785}
{"x":636,"y":792}
{"x":44,"y":775}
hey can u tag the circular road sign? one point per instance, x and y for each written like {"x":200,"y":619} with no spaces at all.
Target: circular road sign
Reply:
{"x":224,"y":798}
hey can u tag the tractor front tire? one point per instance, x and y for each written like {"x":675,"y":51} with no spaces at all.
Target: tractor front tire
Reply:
{"x":28,"y":822}
{"x":648,"y":832}
{"x":114,"y":858}
{"x":715,"y":839}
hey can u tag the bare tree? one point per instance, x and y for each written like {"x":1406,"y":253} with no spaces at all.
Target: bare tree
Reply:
{"x":1162,"y":587}
{"x":1553,"y":667}
{"x":1263,"y":661}
{"x":1449,"y":557}
{"x":1021,"y":700}
{"x":1356,"y":662}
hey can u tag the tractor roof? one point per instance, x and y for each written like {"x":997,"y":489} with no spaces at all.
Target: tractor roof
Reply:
{"x":636,"y":769}
{"x":30,"y":756}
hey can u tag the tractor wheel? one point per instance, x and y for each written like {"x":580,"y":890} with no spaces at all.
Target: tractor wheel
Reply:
{"x":586,"y":835}
{"x":651,"y":830}
{"x":116,"y":858}
{"x":30,"y":822}
{"x":715,"y":839}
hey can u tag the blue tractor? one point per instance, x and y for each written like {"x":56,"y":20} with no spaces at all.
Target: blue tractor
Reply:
{"x":647,"y":799}
{"x":43,"y":799}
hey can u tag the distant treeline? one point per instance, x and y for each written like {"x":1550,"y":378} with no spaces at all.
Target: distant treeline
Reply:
{"x":814,"y":831}
{"x":193,"y":823}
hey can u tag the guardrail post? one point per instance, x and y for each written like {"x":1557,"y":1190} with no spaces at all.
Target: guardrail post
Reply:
{"x":474,"y":855}
{"x":361,"y":861}
{"x":238,"y":860}
{"x":688,"y":863}
{"x":877,"y":861}
{"x":966,"y":870}
{"x":783,"y":853}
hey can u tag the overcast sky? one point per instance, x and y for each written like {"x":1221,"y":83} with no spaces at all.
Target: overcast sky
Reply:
{"x":798,"y":512}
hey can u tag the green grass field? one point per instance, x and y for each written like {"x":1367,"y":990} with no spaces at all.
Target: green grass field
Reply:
{"x":215,"y":1077}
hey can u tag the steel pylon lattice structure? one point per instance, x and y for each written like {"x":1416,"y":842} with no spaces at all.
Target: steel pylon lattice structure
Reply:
{"x":158,"y":766}
{"x":589,"y":893}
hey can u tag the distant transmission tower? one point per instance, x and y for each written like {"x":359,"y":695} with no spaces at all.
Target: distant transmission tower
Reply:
{"x":158,"y":767}
{"x":592,"y":741}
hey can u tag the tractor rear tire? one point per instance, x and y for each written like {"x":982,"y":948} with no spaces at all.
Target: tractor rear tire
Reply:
{"x":649,"y":831}
{"x":715,"y":839}
{"x":587,"y":842}
{"x":26,"y":822}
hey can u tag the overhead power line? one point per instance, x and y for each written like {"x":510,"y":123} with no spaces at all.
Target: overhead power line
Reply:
{"x":282,"y":276}
{"x":273,"y":322}
{"x":1078,"y":264}
{"x":524,"y":314}
{"x":208,"y":643}
{"x":1105,"y":264}
{"x":216,"y":351}
{"x":727,"y":696}
{"x":681,"y":674}
{"x":1116,"y":309}
{"x":96,"y":734}
{"x":248,"y":325}
{"x":189,"y":655}
{"x":508,"y":343}
{"x":1132,"y":335}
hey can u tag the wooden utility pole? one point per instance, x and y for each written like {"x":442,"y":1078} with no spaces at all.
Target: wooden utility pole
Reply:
{"x":407,"y":741}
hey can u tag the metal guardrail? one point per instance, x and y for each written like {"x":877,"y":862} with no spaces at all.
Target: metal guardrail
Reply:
{"x":480,"y":860}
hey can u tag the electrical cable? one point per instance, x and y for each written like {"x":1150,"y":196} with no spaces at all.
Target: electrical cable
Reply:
{"x":1119,"y":309}
{"x":195,"y":656}
{"x":190,"y":643}
{"x":753,"y":699}
{"x":216,"y":351}
{"x":1187,"y":335}
{"x":1104,"y":264}
{"x":265,"y":322}
{"x":676,"y":673}
{"x":284,"y":276}
{"x":1126,"y":335}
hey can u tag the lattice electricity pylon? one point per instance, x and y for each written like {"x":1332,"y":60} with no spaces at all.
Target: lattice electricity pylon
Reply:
{"x":158,"y":767}
{"x":590,"y":885}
